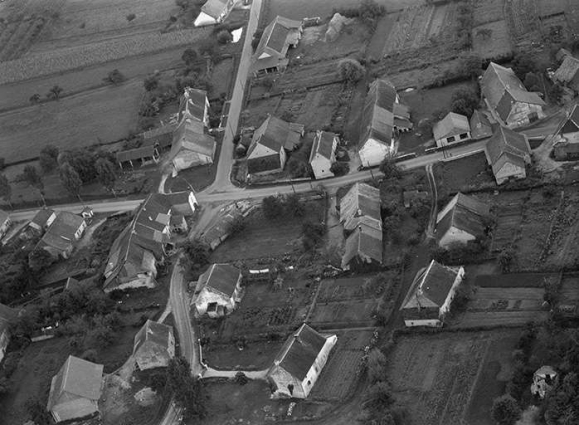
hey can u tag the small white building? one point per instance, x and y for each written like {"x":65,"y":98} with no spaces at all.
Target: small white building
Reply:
{"x":299,"y":363}
{"x":429,"y":298}
{"x":323,"y":154}
{"x":461,"y":221}
{"x":154,"y":345}
{"x":214,"y":12}
{"x":217,"y":291}
{"x":453,"y":128}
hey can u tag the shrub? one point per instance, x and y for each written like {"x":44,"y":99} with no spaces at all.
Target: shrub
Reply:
{"x":464,"y":101}
{"x":224,"y":37}
{"x":350,"y":70}
{"x":297,"y":167}
{"x":272,"y":207}
{"x":505,"y":410}
{"x":151,"y":83}
{"x":340,"y":168}
{"x":131,"y":16}
{"x":115,"y":76}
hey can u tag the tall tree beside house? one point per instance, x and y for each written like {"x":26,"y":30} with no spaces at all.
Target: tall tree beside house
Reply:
{"x":70,"y":179}
{"x":350,"y":70}
{"x":48,"y":158}
{"x":390,"y":169}
{"x":188,"y":390}
{"x":5,"y":189}
{"x":107,"y":174}
{"x":36,"y":410}
{"x":83,"y":162}
{"x":55,"y":92}
{"x":196,"y":254}
{"x":464,"y":101}
{"x":39,"y":259}
{"x":471,"y":65}
{"x":32,"y":178}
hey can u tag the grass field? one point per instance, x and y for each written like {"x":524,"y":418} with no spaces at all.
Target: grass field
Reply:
{"x":498,"y":45}
{"x":462,"y":174}
{"x":93,"y":117}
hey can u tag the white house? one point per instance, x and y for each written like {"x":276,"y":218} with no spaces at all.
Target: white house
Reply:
{"x":508,"y":153}
{"x":214,"y":12}
{"x":461,"y":221}
{"x":323,"y":154}
{"x":154,"y":345}
{"x":431,"y":294}
{"x":5,"y":223}
{"x":566,"y":146}
{"x":299,"y":363}
{"x":453,"y":128}
{"x":217,"y":291}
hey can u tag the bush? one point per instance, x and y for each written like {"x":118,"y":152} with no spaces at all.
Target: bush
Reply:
{"x":340,"y":168}
{"x":350,"y":70}
{"x":224,"y":37}
{"x":131,"y":16}
{"x":505,"y":410}
{"x":464,"y":101}
{"x":272,"y":207}
{"x":115,"y":77}
{"x":297,"y":168}
{"x":151,"y":83}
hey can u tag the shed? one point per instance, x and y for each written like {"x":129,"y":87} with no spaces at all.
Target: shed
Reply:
{"x":453,"y":128}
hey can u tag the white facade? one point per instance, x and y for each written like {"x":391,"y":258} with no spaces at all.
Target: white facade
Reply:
{"x":445,"y":141}
{"x":455,"y":236}
{"x":4,"y":227}
{"x":208,"y":296}
{"x":373,"y":152}
{"x":510,"y":170}
{"x":521,"y":114}
{"x":204,"y":19}
{"x":4,"y":340}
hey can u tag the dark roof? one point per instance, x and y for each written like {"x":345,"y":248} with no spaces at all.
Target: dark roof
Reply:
{"x":572,"y":123}
{"x":178,"y":198}
{"x":275,"y":134}
{"x":467,"y":214}
{"x":42,"y":217}
{"x":60,"y":234}
{"x":153,"y":333}
{"x":263,"y":163}
{"x":568,"y":69}
{"x":480,"y":126}
{"x":4,"y":216}
{"x":361,"y":200}
{"x":365,"y":243}
{"x":77,"y":378}
{"x":378,"y":114}
{"x":323,"y":144}
{"x":192,"y":104}
{"x":138,"y":153}
{"x":300,"y":351}
{"x":451,"y":125}
{"x":222,"y":278}
{"x":506,"y":141}
{"x":431,"y":286}
{"x":275,"y":40}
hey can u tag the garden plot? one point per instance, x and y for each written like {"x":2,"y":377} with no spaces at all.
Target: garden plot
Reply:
{"x":509,"y":217}
{"x":562,"y":243}
{"x":308,"y":76}
{"x":344,"y":314}
{"x":463,"y":174}
{"x":491,"y":40}
{"x":488,"y":11}
{"x":523,"y":21}
{"x":506,"y":299}
{"x":569,"y":292}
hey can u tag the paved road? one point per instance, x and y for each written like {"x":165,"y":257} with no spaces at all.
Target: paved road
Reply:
{"x":222,"y":179}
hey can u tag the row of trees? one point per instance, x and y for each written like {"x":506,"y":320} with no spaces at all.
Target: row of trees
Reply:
{"x":53,"y":94}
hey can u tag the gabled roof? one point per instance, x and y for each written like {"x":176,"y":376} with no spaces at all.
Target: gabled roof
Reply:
{"x":222,"y":278}
{"x":451,"y":125}
{"x":507,"y":144}
{"x":480,"y":126}
{"x":571,"y":125}
{"x":192,"y":104}
{"x":275,"y":41}
{"x":188,"y":136}
{"x":60,"y":234}
{"x":153,"y":333}
{"x":323,"y":145}
{"x":568,"y":69}
{"x":300,"y":351}
{"x":466,"y":213}
{"x":365,"y":243}
{"x":378,"y":114}
{"x":275,"y":134}
{"x":215,"y":8}
{"x":77,"y":378}
{"x":431,"y":287}
{"x":138,"y":153}
{"x":361,"y":200}
{"x":4,"y":216}
{"x":42,"y":217}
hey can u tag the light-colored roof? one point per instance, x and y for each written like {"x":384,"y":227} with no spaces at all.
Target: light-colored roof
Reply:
{"x":192,"y":104}
{"x":61,"y":233}
{"x":378,"y":114}
{"x":467,"y":214}
{"x":42,"y":216}
{"x":187,"y":137}
{"x":361,"y":200}
{"x":571,"y":124}
{"x":222,"y":278}
{"x":480,"y":126}
{"x":152,"y":334}
{"x":451,"y":125}
{"x":215,"y":8}
{"x":275,"y":134}
{"x":4,"y":216}
{"x":431,"y":287}
{"x":323,"y":145}
{"x":568,"y":70}
{"x":506,"y":145}
{"x":275,"y":41}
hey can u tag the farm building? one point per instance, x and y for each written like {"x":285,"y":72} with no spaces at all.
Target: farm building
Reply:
{"x":453,"y":128}
{"x":217,"y":291}
{"x":566,"y":145}
{"x":480,"y":126}
{"x":323,"y":154}
{"x":161,"y":137}
{"x":508,"y":153}
{"x":5,"y":223}
{"x":138,"y":157}
{"x":42,"y":220}
{"x":299,"y":363}
{"x":382,"y":118}
{"x":75,"y":390}
{"x":430,"y":296}
{"x":7,"y":317}
{"x":544,"y":379}
{"x":363,"y":247}
{"x":270,"y":142}
{"x":178,"y":223}
{"x":183,"y":203}
{"x":362,"y":200}
{"x":154,"y":345}
{"x":218,"y":231}
{"x":133,"y":257}
{"x":568,"y":73}
{"x":62,"y":235}
{"x":508,"y":99}
{"x":214,"y":12}
{"x":462,"y":220}
{"x":277,"y":38}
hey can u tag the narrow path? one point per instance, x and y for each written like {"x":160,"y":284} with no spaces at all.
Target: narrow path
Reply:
{"x":250,"y":374}
{"x":434,"y":205}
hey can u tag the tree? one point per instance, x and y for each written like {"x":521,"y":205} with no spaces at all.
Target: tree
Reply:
{"x":464,"y":101}
{"x":70,"y":179}
{"x":471,"y":65}
{"x":272,"y":207}
{"x":505,"y":410}
{"x":39,"y":259}
{"x":390,"y":169}
{"x":32,"y":178}
{"x":313,"y":234}
{"x":83,"y":162}
{"x":369,"y":11}
{"x":376,"y":365}
{"x":532,"y":82}
{"x":189,"y":56}
{"x":506,"y":258}
{"x":224,"y":37}
{"x":339,"y":168}
{"x":151,"y":83}
{"x":35,"y":98}
{"x":350,"y":70}
{"x":207,"y":47}
{"x":37,"y":412}
{"x":523,"y":64}
{"x":378,"y":397}
{"x":294,"y":206}
{"x":54,"y":92}
{"x":297,"y":167}
{"x":115,"y":77}
{"x":555,"y":92}
{"x":238,"y":225}
{"x":5,"y":189}
{"x":131,"y":17}
{"x":196,"y":254}
{"x":188,"y":390}
{"x":48,"y":158}
{"x":106,"y":174}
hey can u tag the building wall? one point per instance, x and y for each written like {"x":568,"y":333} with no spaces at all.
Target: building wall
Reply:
{"x":510,"y":171}
{"x":80,"y":231}
{"x":282,"y":380}
{"x":432,"y":323}
{"x":321,"y":167}
{"x":445,"y":308}
{"x":206,"y":297}
{"x":457,"y":138}
{"x":520,"y":112}
{"x":4,"y":340}
{"x":4,"y":227}
{"x":187,"y":159}
{"x":75,"y":409}
{"x":373,"y":152}
{"x":453,"y":236}
{"x":141,"y":280}
{"x":204,"y":19}
{"x":316,"y":369}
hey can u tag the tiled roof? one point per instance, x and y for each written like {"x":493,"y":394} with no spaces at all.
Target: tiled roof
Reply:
{"x":323,"y":145}
{"x":451,"y":125}
{"x":361,"y":200}
{"x":275,"y":40}
{"x":300,"y":351}
{"x":431,"y":287}
{"x":571,"y":125}
{"x":378,"y":114}
{"x":192,"y":104}
{"x":365,"y":243}
{"x":215,"y":8}
{"x":222,"y":278}
{"x":153,"y":333}
{"x":507,"y":141}
{"x":42,"y":217}
{"x":568,"y":70}
{"x":138,"y":153}
{"x":187,"y":137}
{"x":275,"y":134}
{"x":61,"y":232}
{"x":480,"y":126}
{"x":467,"y":214}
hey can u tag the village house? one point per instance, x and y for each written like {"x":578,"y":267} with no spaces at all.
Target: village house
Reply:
{"x":183,"y":203}
{"x":323,"y":154}
{"x":41,"y":221}
{"x":7,"y":318}
{"x":160,"y":137}
{"x":568,"y":72}
{"x":178,"y":223}
{"x":221,"y":225}
{"x":217,"y":291}
{"x":362,"y":200}
{"x":453,"y":128}
{"x":363,"y":248}
{"x":61,"y":236}
{"x":138,"y":157}
{"x":383,"y":117}
{"x":75,"y":390}
{"x":431,"y":294}
{"x":5,"y":223}
{"x":277,"y":38}
{"x":214,"y":12}
{"x":566,"y":146}
{"x":299,"y":363}
{"x":270,"y":143}
{"x":154,"y":345}
{"x":462,"y":220}
{"x":480,"y":126}
{"x":544,"y":379}
{"x":508,"y":99}
{"x":508,"y":153}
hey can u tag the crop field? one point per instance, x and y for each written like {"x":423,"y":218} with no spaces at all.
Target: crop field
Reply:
{"x":515,"y":280}
{"x":569,"y":292}
{"x":462,"y":174}
{"x":343,"y":367}
{"x":562,"y":245}
{"x":497,"y":45}
{"x":98,"y":116}
{"x":523,"y":21}
{"x":308,"y":76}
{"x":508,"y":224}
{"x":486,"y":11}
{"x":346,"y":313}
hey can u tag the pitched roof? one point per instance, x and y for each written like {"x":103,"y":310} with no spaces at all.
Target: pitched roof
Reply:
{"x":4,"y":216}
{"x":77,"y":378}
{"x":42,"y":216}
{"x":323,"y":145}
{"x":215,"y":8}
{"x":431,"y":287}
{"x":480,"y":126}
{"x":275,"y":134}
{"x":138,"y":153}
{"x":361,"y":200}
{"x":60,"y":234}
{"x":451,"y":125}
{"x":7,"y":314}
{"x":506,"y":144}
{"x":300,"y":351}
{"x":222,"y":278}
{"x":192,"y":104}
{"x":571,"y":125}
{"x":378,"y":114}
{"x":365,"y":242}
{"x":188,"y":137}
{"x":275,"y":41}
{"x":568,"y":69}
{"x":466,"y":214}
{"x":153,"y":333}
